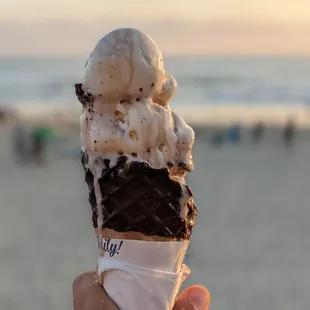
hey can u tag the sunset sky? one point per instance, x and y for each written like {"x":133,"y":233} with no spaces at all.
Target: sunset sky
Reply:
{"x":67,"y":27}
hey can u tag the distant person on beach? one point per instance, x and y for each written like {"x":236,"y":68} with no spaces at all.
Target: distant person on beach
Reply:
{"x":20,"y":143}
{"x":39,"y":138}
{"x":2,"y":116}
{"x":234,"y":134}
{"x":37,"y":149}
{"x":217,"y":139}
{"x":258,"y":132}
{"x":289,"y":133}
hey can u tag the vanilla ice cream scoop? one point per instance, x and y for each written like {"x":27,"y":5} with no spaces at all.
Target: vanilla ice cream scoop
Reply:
{"x":125,"y":64}
{"x":125,"y":94}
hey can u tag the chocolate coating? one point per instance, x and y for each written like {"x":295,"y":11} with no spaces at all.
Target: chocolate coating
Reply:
{"x":136,"y":197}
{"x":82,"y":96}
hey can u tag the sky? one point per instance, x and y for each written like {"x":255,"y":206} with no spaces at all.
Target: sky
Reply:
{"x":67,"y":27}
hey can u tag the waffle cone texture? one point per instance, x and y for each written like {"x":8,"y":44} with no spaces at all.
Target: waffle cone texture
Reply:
{"x":138,"y":200}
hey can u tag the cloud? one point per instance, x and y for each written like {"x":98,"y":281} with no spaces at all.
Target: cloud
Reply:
{"x":77,"y":37}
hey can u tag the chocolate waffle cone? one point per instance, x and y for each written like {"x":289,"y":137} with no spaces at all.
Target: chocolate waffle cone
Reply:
{"x":139,"y":202}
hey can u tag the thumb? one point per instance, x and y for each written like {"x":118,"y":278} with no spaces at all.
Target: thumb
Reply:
{"x":193,"y":298}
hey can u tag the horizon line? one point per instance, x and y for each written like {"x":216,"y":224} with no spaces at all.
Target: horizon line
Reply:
{"x":166,"y":55}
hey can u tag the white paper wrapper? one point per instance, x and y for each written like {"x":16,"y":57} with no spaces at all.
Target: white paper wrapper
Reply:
{"x":140,"y":275}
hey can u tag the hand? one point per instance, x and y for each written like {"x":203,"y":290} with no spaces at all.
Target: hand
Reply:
{"x":89,"y":295}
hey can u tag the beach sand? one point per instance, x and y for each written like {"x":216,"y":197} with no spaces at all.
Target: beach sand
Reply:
{"x":250,"y":247}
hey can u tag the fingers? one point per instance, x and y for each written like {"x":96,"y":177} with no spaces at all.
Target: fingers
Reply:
{"x":193,"y":298}
{"x":89,"y":295}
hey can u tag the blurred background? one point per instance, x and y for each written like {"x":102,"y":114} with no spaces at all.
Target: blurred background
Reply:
{"x":243,"y":70}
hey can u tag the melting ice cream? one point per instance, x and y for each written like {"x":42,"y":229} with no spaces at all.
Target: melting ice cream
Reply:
{"x":129,"y":111}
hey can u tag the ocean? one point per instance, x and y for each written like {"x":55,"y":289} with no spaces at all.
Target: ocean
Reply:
{"x":201,"y":80}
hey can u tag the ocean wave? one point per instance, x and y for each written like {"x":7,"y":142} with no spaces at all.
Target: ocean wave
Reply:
{"x":203,"y":81}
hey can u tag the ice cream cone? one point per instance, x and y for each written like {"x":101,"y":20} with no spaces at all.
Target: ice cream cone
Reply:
{"x":136,"y":153}
{"x":134,"y":197}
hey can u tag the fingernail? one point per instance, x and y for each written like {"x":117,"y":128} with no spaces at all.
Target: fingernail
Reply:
{"x":198,"y":298}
